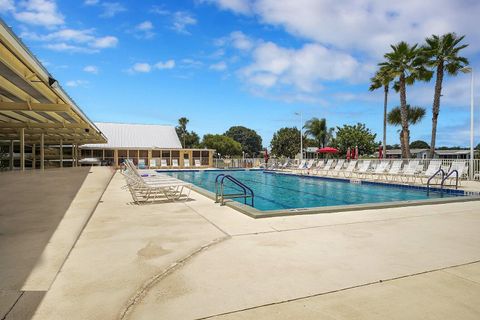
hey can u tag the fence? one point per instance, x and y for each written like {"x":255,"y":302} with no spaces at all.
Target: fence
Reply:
{"x":472,"y":171}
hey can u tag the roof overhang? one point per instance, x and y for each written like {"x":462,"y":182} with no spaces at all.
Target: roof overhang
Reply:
{"x":30,"y":99}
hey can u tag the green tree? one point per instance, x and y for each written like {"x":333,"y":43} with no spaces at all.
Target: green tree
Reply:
{"x":182,"y":130}
{"x":224,"y":145}
{"x":406,"y":65}
{"x":442,"y":54}
{"x":414,"y":116}
{"x":419,"y":144}
{"x":249,"y":139}
{"x":356,"y":135}
{"x":286,"y":142}
{"x":319,"y":131}
{"x":382,"y":79}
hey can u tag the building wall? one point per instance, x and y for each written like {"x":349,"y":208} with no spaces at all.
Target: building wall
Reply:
{"x":152,"y":158}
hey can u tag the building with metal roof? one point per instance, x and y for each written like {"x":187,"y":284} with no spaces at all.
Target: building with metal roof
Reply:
{"x":148,"y":145}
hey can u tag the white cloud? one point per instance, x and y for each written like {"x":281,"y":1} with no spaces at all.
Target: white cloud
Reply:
{"x":241,"y":41}
{"x":70,"y":40}
{"x":144,"y":30}
{"x":91,"y":69}
{"x":105,"y":42}
{"x":142,"y":67}
{"x":368,"y":25}
{"x":169,"y":64}
{"x":191,"y":63}
{"x":77,"y":83}
{"x":90,"y":2}
{"x":111,"y":9}
{"x":238,"y":6}
{"x":6,"y":5}
{"x":219,"y":66}
{"x":302,"y":68}
{"x":182,"y":20}
{"x":38,"y":12}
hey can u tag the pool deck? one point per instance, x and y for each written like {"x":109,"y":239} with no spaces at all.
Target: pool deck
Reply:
{"x":197,"y":260}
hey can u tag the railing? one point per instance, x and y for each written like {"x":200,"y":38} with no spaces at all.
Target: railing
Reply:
{"x":433,"y":177}
{"x":247,"y":192}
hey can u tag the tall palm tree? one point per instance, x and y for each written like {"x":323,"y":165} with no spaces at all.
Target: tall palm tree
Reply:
{"x":182,"y":129}
{"x":441,"y":54}
{"x":414,"y":116}
{"x":317,"y":128}
{"x":405,"y":64}
{"x":382,"y":79}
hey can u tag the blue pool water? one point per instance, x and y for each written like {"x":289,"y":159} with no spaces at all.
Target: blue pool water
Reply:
{"x":280,"y":191}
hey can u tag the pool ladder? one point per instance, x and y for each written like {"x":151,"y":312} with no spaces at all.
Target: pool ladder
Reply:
{"x":444,"y":178}
{"x":220,"y":195}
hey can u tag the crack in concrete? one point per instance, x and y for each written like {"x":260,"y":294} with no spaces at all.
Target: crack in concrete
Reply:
{"x":13,"y":305}
{"x":149,"y":284}
{"x":444,"y":269}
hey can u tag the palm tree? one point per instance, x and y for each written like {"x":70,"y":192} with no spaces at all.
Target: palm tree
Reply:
{"x":441,"y":54}
{"x":405,"y":65}
{"x":182,"y":128}
{"x":382,"y":79}
{"x":414,"y":116}
{"x":317,"y":128}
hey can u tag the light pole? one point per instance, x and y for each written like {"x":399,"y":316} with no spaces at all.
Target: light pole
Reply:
{"x":471,"y":162}
{"x":301,"y":134}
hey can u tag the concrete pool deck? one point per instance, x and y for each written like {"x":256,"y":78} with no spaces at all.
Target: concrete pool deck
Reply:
{"x":197,"y":260}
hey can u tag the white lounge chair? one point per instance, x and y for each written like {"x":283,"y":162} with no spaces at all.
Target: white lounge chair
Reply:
{"x":198,"y":163}
{"x":325,"y":168}
{"x":460,"y":167}
{"x":364,"y":169}
{"x":337,"y":169}
{"x":349,"y":169}
{"x":433,"y":168}
{"x":163,"y":163}
{"x":301,"y":166}
{"x":174,"y":163}
{"x":153,"y":163}
{"x":394,"y":171}
{"x":186,"y":163}
{"x":380,"y":169}
{"x":410,"y":171}
{"x":308,"y":166}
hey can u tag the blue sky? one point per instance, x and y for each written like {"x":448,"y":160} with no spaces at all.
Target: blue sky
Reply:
{"x":244,"y":62}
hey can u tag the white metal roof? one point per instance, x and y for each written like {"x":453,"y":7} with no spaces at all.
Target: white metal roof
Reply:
{"x":146,"y":136}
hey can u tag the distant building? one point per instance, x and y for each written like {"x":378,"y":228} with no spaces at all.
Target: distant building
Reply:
{"x":439,"y":154}
{"x":154,"y":146}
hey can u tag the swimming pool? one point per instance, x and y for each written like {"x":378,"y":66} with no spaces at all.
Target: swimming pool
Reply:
{"x":275,"y":191}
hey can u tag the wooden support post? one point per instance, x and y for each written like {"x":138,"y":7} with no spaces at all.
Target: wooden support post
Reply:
{"x":73,"y":155}
{"x":103,"y":154}
{"x":149,"y":157}
{"x":210,"y":158}
{"x":115,"y":158}
{"x":34,"y":156}
{"x":77,"y":155}
{"x":91,"y":153}
{"x":22,"y":149}
{"x":61,"y":153}
{"x":42,"y":151}
{"x":11,"y":154}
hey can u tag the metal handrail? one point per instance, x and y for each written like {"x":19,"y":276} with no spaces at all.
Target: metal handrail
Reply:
{"x":433,"y":176}
{"x":222,"y":195}
{"x":448,"y":175}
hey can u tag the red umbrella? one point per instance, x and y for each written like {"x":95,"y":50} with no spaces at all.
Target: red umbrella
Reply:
{"x":380,"y":152}
{"x":327,"y":150}
{"x":356,"y":152}
{"x":348,"y":154}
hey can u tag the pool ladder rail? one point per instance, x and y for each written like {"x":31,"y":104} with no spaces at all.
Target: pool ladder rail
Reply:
{"x":220,"y":195}
{"x":444,"y":178}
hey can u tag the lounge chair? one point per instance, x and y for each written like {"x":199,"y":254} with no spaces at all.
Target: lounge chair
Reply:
{"x":410,"y":171}
{"x":325,"y":168}
{"x":198,"y":163}
{"x":153,"y":163}
{"x":301,"y":166}
{"x":460,"y":168}
{"x":433,"y":169}
{"x":141,"y":164}
{"x":349,"y":169}
{"x":163,"y":163}
{"x":186,"y":163}
{"x":364,"y":169}
{"x":338,"y":167}
{"x":174,"y":163}
{"x":381,"y":169}
{"x":308,"y":166}
{"x":394,"y":170}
